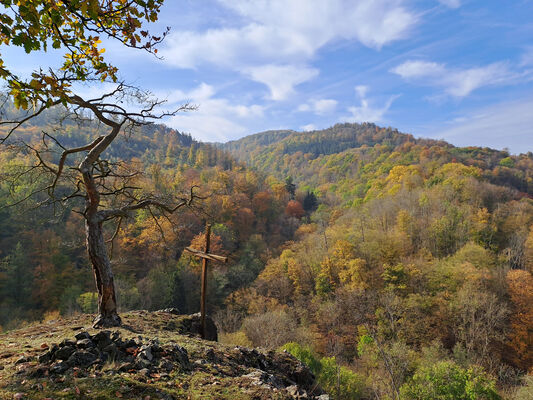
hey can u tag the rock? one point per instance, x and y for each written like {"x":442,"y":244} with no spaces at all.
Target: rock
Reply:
{"x":85,"y":343}
{"x":82,"y":358}
{"x":170,"y":310}
{"x":45,"y":357}
{"x":23,"y":359}
{"x":67,"y":343}
{"x":64,"y":353}
{"x":141,"y":363}
{"x":39,"y":372}
{"x":166,"y":365}
{"x":82,"y":335}
{"x":111,"y":350}
{"x":180,"y":355}
{"x":125,"y":367}
{"x":59,"y":367}
{"x":102,"y":339}
{"x":211,"y":332}
{"x":146,"y":352}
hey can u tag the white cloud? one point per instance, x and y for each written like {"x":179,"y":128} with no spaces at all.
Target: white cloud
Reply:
{"x":217,"y":119}
{"x":287,"y":33}
{"x":451,"y":3}
{"x":498,"y":126}
{"x":456,"y":82}
{"x":281,"y":79}
{"x":365,"y":112}
{"x":319,"y":107}
{"x":527,"y":57}
{"x":308,"y":128}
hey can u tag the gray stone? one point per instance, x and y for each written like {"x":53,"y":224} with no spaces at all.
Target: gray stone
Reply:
{"x":146,"y":352}
{"x":67,"y":343}
{"x":59,"y":367}
{"x":82,"y":358}
{"x":64,"y":353}
{"x":141,"y":363}
{"x":82,"y":335}
{"x":84,"y":343}
{"x":45,"y":357}
{"x":23,"y":359}
{"x":111,"y":349}
{"x":102,"y":339}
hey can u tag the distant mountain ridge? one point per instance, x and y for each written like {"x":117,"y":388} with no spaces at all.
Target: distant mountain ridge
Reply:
{"x":350,"y":155}
{"x":335,"y":139}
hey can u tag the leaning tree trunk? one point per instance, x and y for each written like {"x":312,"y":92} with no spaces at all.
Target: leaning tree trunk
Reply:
{"x":107,"y":303}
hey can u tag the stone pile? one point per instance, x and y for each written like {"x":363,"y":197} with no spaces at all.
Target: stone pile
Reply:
{"x":94,"y":351}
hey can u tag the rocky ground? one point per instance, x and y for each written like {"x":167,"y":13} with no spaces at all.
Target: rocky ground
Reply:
{"x":152,"y":356}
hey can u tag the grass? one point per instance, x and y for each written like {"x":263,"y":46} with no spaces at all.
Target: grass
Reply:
{"x":206,"y":380}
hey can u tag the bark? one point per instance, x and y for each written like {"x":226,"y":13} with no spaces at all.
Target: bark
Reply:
{"x":107,"y":303}
{"x":96,"y":247}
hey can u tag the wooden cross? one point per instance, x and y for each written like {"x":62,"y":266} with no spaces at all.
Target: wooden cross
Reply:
{"x":205,"y":256}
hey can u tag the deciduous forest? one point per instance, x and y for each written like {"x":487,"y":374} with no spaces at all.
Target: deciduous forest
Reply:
{"x":394,"y":267}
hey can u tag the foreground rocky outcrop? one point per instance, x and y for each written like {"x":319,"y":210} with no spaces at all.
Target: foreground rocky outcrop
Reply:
{"x":156,"y":359}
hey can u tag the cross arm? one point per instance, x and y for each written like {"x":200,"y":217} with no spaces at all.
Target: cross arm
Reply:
{"x":207,"y":256}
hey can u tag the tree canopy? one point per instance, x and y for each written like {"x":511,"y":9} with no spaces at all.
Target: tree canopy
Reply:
{"x":76,"y":28}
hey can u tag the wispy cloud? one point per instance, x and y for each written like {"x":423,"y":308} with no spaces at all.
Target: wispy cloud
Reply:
{"x":319,"y":107}
{"x":451,"y":3}
{"x":499,"y":126}
{"x":456,"y":82}
{"x":366,"y":111}
{"x":287,"y":34}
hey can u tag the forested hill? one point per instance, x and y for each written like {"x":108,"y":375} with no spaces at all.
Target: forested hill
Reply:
{"x":382,"y":260}
{"x":259,"y":149}
{"x":347,"y":159}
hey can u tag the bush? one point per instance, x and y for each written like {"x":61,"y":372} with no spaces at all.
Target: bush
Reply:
{"x":235,"y":339}
{"x":339,"y":382}
{"x":446,"y":380}
{"x":305,"y":355}
{"x":88,"y":302}
{"x":271,"y":329}
{"x":525,"y":392}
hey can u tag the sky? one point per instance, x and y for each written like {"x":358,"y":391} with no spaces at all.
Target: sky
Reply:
{"x":458,"y":70}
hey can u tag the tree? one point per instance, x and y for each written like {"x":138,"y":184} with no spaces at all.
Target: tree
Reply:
{"x":294,"y":209}
{"x":111,"y":190}
{"x":520,"y":285}
{"x":74,"y":26}
{"x":290,"y":187}
{"x":310,"y":202}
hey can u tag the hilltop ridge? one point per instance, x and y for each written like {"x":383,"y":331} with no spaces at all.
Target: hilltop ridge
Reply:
{"x":152,"y":356}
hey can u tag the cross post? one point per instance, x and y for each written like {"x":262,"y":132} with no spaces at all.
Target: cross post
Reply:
{"x":206,"y":257}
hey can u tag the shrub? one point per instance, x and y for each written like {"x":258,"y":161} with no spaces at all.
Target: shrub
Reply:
{"x":305,"y":355}
{"x":88,"y":302}
{"x":340,"y":382}
{"x":446,"y":380}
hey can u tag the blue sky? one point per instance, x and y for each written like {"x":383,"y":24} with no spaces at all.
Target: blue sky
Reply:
{"x":459,"y":70}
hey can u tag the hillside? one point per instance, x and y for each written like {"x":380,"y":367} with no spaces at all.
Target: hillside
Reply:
{"x":152,"y":356}
{"x":379,"y":259}
{"x":353,"y":155}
